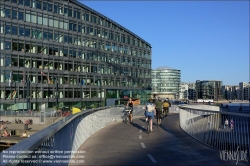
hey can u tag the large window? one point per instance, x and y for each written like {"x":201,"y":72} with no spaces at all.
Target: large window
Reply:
{"x":20,"y":15}
{"x":50,"y":7}
{"x":45,"y":6}
{"x":14,"y":14}
{"x":55,"y":8}
{"x":14,"y":29}
{"x":33,"y":17}
{"x":45,"y":19}
{"x":51,"y":21}
{"x":7,"y":45}
{"x":7,"y":29}
{"x":55,"y":23}
{"x":38,"y":4}
{"x":27,"y":31}
{"x":39,"y":19}
{"x":27,"y":16}
{"x":27,"y":2}
{"x":7,"y":12}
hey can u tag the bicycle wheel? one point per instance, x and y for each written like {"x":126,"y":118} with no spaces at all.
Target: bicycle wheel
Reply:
{"x":126,"y":119}
{"x":148,"y":128}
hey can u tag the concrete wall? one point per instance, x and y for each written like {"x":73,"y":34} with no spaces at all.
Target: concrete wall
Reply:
{"x":98,"y":120}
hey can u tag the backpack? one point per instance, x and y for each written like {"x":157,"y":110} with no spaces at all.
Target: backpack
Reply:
{"x":151,"y":107}
{"x":165,"y":104}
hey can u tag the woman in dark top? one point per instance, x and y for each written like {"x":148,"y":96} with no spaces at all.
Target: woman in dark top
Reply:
{"x":130,"y":104}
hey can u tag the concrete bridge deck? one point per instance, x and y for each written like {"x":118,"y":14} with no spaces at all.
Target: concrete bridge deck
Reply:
{"x":129,"y":144}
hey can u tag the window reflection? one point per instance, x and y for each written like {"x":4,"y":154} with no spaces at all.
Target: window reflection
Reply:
{"x":14,"y":30}
{"x":27,"y":32}
{"x":49,"y":7}
{"x":27,"y":2}
{"x":7,"y":45}
{"x":7,"y":13}
{"x":20,"y":2}
{"x":20,"y":15}
{"x":7,"y":29}
{"x":38,"y":4}
{"x":14,"y":14}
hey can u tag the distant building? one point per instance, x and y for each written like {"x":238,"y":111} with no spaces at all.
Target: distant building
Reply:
{"x":188,"y":91}
{"x":184,"y":91}
{"x":230,"y":92}
{"x":166,"y":82}
{"x":209,"y":89}
{"x":191,"y":91}
{"x":244,"y":91}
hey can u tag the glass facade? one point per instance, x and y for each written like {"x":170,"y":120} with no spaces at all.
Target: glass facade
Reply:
{"x":62,"y":53}
{"x":209,"y":89}
{"x":166,"y":82}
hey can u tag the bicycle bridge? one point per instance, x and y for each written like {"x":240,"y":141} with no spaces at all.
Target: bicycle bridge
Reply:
{"x":130,"y":144}
{"x":99,"y":137}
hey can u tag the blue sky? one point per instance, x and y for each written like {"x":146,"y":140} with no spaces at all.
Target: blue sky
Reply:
{"x":206,"y":40}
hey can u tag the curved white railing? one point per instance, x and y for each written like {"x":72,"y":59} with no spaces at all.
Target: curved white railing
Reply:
{"x":209,"y":126}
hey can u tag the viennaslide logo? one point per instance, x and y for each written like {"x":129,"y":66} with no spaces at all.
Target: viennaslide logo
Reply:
{"x":237,"y":155}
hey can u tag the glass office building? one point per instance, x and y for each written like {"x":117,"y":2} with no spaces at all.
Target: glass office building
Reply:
{"x":209,"y":89}
{"x":63,"y":53}
{"x":166,"y":82}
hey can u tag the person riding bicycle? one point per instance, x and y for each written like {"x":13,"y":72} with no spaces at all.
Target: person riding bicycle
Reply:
{"x":166,"y":105}
{"x":130,"y":104}
{"x":150,"y":112}
{"x":158,"y":108}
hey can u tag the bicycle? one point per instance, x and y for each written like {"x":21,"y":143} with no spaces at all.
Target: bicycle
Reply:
{"x":148,"y":124}
{"x":165,"y":112}
{"x":158,"y":119}
{"x":127,"y":114}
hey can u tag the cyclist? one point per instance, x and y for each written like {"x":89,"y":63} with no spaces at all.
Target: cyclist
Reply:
{"x":130,"y":104}
{"x":150,"y":112}
{"x":158,"y":108}
{"x":166,"y":105}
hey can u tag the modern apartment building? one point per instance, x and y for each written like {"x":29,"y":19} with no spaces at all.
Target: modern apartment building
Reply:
{"x":247,"y":93}
{"x":244,"y":90}
{"x":230,"y":92}
{"x":191,"y":91}
{"x":166,"y":82}
{"x":63,"y":53}
{"x":188,"y":91}
{"x":184,"y":91}
{"x":209,"y":89}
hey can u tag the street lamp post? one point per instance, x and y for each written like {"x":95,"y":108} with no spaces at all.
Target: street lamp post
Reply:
{"x":57,"y":93}
{"x":36,"y":97}
{"x":217,"y":92}
{"x":99,"y":70}
{"x":81,"y":95}
{"x":16,"y":92}
{"x":28,"y":93}
{"x":100,"y":92}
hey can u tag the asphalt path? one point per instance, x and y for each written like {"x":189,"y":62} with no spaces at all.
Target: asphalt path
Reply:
{"x":130,"y":144}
